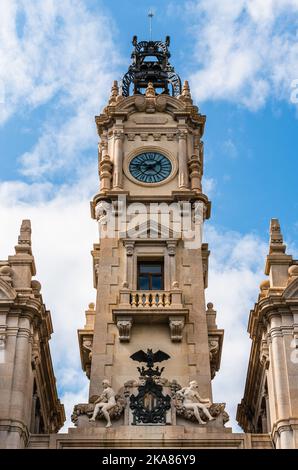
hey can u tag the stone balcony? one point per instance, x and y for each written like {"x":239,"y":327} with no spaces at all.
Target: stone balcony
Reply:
{"x":150,"y":307}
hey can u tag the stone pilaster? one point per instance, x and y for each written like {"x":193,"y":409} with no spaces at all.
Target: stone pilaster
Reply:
{"x":118,"y":159}
{"x":182,"y":157}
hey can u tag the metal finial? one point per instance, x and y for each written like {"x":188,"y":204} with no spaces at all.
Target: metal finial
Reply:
{"x":150,"y":16}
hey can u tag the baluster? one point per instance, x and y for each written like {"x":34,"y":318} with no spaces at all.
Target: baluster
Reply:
{"x":159,"y":299}
{"x":147,"y":301}
{"x":167,"y":302}
{"x":133,"y":300}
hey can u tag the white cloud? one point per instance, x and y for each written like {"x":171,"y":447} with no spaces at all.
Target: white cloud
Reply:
{"x":71,"y":398}
{"x":246,"y":51}
{"x":230,"y":148}
{"x":209,"y":185}
{"x":62,"y":54}
{"x":236,"y":270}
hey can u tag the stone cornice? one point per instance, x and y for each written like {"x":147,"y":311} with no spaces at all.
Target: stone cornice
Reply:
{"x":9,"y":425}
{"x":28,"y":306}
{"x":168,"y":104}
{"x":267,"y":307}
{"x":278,"y":259}
{"x":187,"y":195}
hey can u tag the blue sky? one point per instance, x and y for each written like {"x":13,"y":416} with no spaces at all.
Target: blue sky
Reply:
{"x":57,"y":63}
{"x":250,"y":154}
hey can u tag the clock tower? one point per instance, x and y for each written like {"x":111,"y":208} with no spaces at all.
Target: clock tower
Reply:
{"x":150,"y":265}
{"x":150,"y":345}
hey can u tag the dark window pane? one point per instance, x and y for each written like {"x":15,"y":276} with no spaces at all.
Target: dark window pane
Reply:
{"x":157,"y":283}
{"x":144,"y":283}
{"x":150,"y":268}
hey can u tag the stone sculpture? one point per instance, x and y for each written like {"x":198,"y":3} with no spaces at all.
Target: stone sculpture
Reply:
{"x":105,"y":402}
{"x":193,"y":401}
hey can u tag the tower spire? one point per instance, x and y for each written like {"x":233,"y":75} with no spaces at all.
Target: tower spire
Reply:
{"x":276,"y":239}
{"x":24,"y":238}
{"x":150,"y":16}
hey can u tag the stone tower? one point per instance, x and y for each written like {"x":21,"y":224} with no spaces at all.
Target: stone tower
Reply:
{"x":28,"y":396}
{"x":150,"y":345}
{"x":150,"y":265}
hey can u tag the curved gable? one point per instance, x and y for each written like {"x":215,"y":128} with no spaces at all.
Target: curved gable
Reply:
{"x":291,"y":291}
{"x":6,"y":291}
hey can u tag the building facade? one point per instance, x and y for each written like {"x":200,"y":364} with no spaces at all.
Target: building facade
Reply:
{"x":28,"y":396}
{"x":150,"y":346}
{"x":270,"y":402}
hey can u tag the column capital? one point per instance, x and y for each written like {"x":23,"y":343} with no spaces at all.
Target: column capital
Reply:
{"x":118,"y":134}
{"x":182,"y":133}
{"x":171,"y":246}
{"x":129,"y":245}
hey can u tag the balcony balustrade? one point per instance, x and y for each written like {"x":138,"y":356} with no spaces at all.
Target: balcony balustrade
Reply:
{"x":150,"y":299}
{"x":143,"y":306}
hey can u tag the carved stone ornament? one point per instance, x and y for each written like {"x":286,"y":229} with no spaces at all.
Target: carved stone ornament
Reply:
{"x":6,"y":273}
{"x":2,"y":341}
{"x":150,"y":102}
{"x":199,"y":212}
{"x":105,"y":167}
{"x":264,"y":354}
{"x":276,"y":238}
{"x":87,"y":345}
{"x":102,"y":212}
{"x":87,"y":409}
{"x":176,"y":329}
{"x":25,"y":233}
{"x":171,"y":246}
{"x":118,"y":134}
{"x":129,"y":246}
{"x":213,"y":353}
{"x":114,"y":93}
{"x":124,"y":327}
{"x":185,"y":95}
{"x":107,"y":405}
{"x":182,"y":134}
{"x":216,"y":410}
{"x":96,"y":268}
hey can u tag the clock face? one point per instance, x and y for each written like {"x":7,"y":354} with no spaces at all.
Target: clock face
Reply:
{"x":150,"y":167}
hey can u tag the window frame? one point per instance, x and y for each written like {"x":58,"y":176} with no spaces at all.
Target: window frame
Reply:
{"x":156,"y":261}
